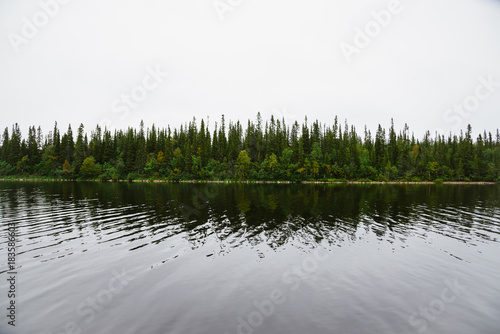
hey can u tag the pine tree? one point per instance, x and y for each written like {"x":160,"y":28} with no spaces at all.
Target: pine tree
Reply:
{"x":14,"y":154}
{"x":33,"y":150}
{"x":4,"y":155}
{"x":80,"y":150}
{"x":379,"y":147}
{"x":56,"y":141}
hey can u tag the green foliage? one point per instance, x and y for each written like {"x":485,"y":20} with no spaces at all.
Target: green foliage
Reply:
{"x":243,"y":164}
{"x":6,"y":169}
{"x":109,"y":172}
{"x":265,"y":150}
{"x":90,"y":169}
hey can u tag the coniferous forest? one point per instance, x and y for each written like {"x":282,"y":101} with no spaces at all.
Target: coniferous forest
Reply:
{"x":265,"y":150}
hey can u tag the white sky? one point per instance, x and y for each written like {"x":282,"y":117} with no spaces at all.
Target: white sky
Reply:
{"x":280,"y":57}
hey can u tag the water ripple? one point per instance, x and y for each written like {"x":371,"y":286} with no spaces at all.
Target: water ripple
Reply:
{"x":49,"y":222}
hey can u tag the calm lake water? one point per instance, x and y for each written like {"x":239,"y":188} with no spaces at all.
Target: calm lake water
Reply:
{"x":217,"y":259}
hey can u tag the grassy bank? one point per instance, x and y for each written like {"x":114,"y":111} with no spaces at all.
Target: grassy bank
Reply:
{"x":48,"y":179}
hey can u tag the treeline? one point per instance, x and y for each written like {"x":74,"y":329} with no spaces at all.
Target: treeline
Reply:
{"x":263,"y":151}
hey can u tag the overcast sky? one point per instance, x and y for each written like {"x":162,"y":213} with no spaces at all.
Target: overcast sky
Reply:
{"x":432,"y":64}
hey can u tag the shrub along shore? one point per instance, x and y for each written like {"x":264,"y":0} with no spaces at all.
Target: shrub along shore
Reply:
{"x":248,"y":181}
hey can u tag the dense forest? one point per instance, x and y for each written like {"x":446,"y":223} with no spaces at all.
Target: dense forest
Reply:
{"x":263,"y":151}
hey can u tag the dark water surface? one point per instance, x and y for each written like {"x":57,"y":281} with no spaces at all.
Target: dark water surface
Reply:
{"x":216,"y":259}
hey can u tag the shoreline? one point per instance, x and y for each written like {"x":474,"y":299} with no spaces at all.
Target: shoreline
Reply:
{"x":253,"y":182}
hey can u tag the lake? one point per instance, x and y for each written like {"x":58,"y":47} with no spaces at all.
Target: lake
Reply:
{"x":251,"y":258}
